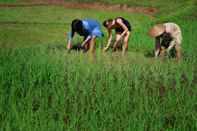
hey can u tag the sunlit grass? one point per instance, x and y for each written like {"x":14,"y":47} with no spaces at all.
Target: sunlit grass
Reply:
{"x":43,"y":87}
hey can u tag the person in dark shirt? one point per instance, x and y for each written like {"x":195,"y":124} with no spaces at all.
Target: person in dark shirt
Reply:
{"x":122,"y":29}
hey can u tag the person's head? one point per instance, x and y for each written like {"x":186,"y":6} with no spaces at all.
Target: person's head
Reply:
{"x":77,"y":26}
{"x":157,"y":30}
{"x":108,"y":23}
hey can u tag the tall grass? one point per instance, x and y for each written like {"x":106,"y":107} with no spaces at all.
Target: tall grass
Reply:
{"x":43,"y":87}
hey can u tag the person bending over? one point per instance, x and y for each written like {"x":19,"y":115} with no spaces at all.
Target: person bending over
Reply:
{"x":122,"y":30}
{"x":89,"y":29}
{"x":167,"y":36}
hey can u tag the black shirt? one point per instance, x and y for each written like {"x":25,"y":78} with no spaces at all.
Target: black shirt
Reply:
{"x":166,"y":38}
{"x":127,"y":24}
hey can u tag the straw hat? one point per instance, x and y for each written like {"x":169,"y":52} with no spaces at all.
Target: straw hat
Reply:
{"x":157,"y":30}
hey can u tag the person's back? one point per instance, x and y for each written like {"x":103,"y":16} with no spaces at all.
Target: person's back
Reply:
{"x":91,"y":26}
{"x":89,"y":29}
{"x":174,"y":30}
{"x":171,"y":36}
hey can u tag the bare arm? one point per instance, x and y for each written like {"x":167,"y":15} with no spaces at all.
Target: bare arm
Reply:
{"x":86,"y":40}
{"x":172,"y":44}
{"x":109,"y":39}
{"x":119,"y":21}
{"x":70,"y":36}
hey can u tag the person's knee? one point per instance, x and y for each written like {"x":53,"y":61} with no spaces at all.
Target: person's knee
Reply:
{"x":126,"y":42}
{"x":126,"y":38}
{"x":178,"y":47}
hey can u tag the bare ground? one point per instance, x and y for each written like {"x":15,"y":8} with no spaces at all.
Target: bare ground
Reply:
{"x":77,"y":5}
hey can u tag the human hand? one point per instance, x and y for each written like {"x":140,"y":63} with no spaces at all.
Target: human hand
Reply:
{"x":105,"y":49}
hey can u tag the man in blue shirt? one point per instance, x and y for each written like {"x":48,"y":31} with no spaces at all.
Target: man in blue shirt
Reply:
{"x":89,"y":29}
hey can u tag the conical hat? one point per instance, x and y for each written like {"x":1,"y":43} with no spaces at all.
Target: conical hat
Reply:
{"x":157,"y":30}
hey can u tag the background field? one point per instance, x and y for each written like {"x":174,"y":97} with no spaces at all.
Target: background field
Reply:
{"x":43,"y":87}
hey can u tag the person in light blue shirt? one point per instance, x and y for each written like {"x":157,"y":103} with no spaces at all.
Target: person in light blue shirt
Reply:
{"x":89,"y":29}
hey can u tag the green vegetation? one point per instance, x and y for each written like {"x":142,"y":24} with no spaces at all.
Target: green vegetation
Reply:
{"x":7,"y":1}
{"x":165,"y":6}
{"x":43,"y":87}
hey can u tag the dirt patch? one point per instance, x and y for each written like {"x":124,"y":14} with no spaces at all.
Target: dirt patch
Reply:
{"x":77,"y":5}
{"x":100,"y":6}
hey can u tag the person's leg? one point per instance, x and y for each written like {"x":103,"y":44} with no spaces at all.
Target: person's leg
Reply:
{"x":178,"y":45}
{"x":117,"y":42}
{"x":126,"y":40}
{"x":162,"y":52}
{"x":87,"y":46}
{"x":178,"y":51}
{"x":92,"y":45}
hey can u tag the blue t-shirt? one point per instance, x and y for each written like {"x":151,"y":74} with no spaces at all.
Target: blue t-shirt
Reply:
{"x":92,"y":26}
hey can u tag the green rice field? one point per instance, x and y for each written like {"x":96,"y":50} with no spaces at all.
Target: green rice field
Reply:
{"x":45,"y":88}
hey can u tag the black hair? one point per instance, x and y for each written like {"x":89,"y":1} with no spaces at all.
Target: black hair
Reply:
{"x":77,"y":26}
{"x":106,"y":21}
